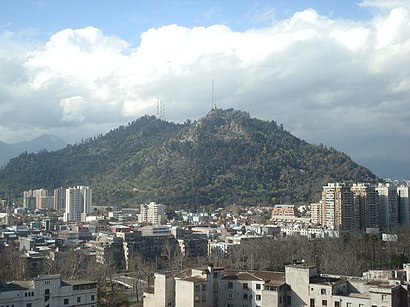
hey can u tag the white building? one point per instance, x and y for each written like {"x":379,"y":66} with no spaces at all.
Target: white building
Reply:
{"x":78,"y":203}
{"x":48,"y":291}
{"x":300,"y":285}
{"x":152,"y":213}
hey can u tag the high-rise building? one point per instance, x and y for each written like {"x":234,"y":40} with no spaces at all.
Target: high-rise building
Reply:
{"x":388,"y":206}
{"x":152,"y":213}
{"x":78,"y":203}
{"x":337,"y":201}
{"x":403,"y":205}
{"x":365,"y":209}
{"x":59,"y":199}
{"x":34,"y":195}
{"x":316,"y":213}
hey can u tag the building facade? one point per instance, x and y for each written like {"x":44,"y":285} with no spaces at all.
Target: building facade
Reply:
{"x":300,"y":285}
{"x":48,"y":291}
{"x":152,"y":213}
{"x":78,"y":203}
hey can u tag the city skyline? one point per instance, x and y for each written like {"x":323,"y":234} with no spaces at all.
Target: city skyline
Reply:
{"x":331,"y":73}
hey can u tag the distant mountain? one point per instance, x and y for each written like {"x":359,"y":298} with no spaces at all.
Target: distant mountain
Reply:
{"x":226,"y":157}
{"x":46,"y":141}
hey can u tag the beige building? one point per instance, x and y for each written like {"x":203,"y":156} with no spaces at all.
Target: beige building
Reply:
{"x":48,"y":290}
{"x":78,"y":203}
{"x":284,"y":210}
{"x":316,"y":213}
{"x":300,"y":285}
{"x":152,"y":213}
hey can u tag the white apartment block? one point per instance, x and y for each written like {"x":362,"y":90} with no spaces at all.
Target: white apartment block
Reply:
{"x":152,"y":213}
{"x":48,"y":291}
{"x":211,"y":286}
{"x":300,"y":285}
{"x":78,"y":203}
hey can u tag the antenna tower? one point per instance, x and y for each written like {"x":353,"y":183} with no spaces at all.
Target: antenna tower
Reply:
{"x":163,"y":117}
{"x":160,"y":110}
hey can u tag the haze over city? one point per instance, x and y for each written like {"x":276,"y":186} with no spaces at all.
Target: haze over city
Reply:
{"x":334,"y":73}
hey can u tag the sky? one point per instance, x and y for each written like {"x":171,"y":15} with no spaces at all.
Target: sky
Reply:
{"x":332,"y":72}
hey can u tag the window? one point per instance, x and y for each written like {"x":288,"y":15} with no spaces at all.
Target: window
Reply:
{"x":230,"y":296}
{"x":93,"y":297}
{"x":324,"y":302}
{"x":312,"y":302}
{"x":245,"y":285}
{"x":258,"y":286}
{"x":348,"y":304}
{"x":215,"y":275}
{"x":258,"y":297}
{"x":66,"y":301}
{"x":204,"y":298}
{"x":203,"y":287}
{"x":323,"y":291}
{"x":289,"y":300}
{"x":197,"y":288}
{"x":361,"y":305}
{"x":78,"y":299}
{"x":46,"y":298}
{"x":230,"y":285}
{"x":196,"y":298}
{"x":47,"y":291}
{"x":384,"y":297}
{"x":337,"y":304}
{"x":245,"y":296}
{"x":28,"y":305}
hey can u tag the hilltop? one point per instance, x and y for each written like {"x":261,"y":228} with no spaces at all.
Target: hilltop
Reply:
{"x":225,"y":157}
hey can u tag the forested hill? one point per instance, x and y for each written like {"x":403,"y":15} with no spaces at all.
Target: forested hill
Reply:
{"x":225,"y":157}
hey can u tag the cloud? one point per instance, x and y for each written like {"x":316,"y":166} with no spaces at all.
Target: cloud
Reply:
{"x":338,"y":82}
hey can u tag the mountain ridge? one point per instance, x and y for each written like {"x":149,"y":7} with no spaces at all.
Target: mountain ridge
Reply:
{"x":225,"y":157}
{"x":43,"y":142}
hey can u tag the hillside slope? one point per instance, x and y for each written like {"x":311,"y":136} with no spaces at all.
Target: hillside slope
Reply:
{"x":222,"y":158}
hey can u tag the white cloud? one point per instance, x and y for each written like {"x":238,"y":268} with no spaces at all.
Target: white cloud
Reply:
{"x":328,"y":80}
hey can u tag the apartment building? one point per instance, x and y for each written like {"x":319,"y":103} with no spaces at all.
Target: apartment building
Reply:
{"x":361,"y":206}
{"x":78,"y":203}
{"x":213,"y":286}
{"x":152,"y":213}
{"x":388,"y":206}
{"x":336,"y":210}
{"x":403,"y":204}
{"x":300,"y":285}
{"x":284,"y":210}
{"x":365,"y":207}
{"x":48,"y":291}
{"x":59,"y":199}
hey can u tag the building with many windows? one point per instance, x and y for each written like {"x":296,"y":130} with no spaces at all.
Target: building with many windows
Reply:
{"x":388,"y":206}
{"x":300,"y":285}
{"x":152,"y":213}
{"x":48,"y":291}
{"x":78,"y":203}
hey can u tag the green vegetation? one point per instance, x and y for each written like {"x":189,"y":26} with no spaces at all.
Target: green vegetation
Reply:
{"x":225,"y":157}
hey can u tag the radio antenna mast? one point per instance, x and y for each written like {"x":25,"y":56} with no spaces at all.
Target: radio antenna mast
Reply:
{"x":213,"y":96}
